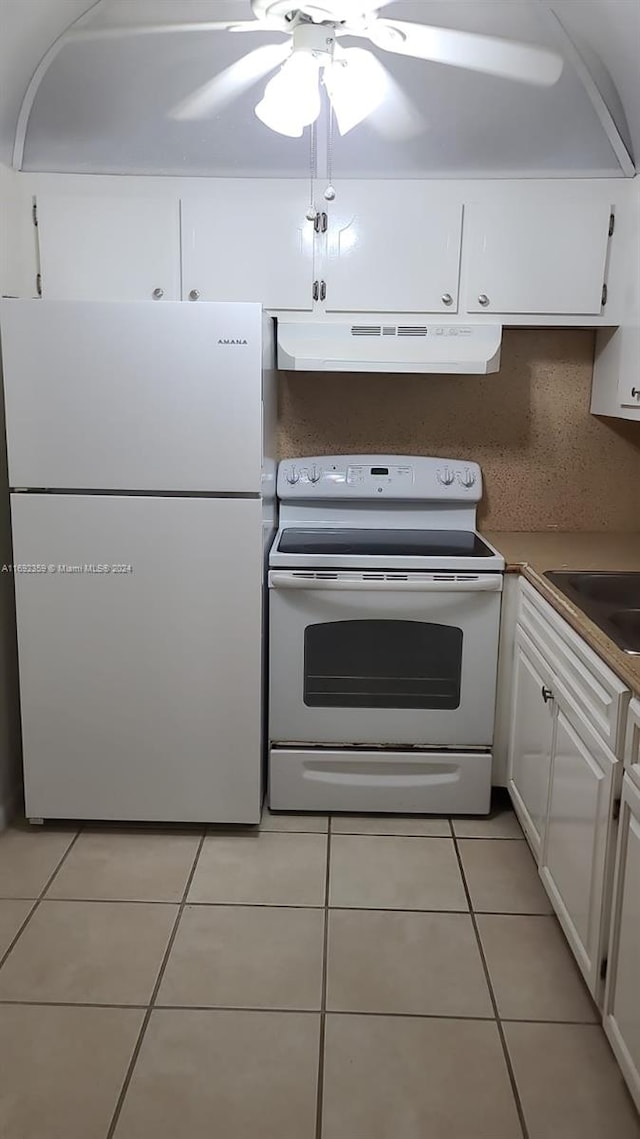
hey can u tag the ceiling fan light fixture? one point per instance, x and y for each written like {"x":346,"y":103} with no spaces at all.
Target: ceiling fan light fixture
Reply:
{"x":274,"y":116}
{"x":291,"y":100}
{"x":357,"y":84}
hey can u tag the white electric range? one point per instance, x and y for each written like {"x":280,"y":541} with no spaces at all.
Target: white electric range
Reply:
{"x":384,"y":620}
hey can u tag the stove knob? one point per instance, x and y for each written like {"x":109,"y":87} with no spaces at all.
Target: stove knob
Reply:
{"x":467,"y":479}
{"x":445,"y":476}
{"x":314,"y":475}
{"x":292,"y":476}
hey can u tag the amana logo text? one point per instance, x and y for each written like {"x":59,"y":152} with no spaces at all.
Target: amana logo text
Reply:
{"x":227,"y":341}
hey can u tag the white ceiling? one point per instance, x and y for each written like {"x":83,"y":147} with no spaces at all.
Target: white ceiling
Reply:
{"x":102,"y":106}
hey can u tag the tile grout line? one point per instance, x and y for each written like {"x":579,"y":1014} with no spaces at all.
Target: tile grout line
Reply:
{"x":38,"y":900}
{"x":107,"y":901}
{"x":394,"y":834}
{"x":507,"y":1058}
{"x":323,"y":998}
{"x":276,"y":906}
{"x":295,"y":1011}
{"x":147,"y":1016}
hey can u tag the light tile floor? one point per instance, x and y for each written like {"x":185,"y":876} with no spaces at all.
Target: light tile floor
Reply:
{"x":345,"y":978}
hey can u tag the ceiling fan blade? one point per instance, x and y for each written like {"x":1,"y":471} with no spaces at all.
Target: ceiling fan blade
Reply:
{"x":129,"y":31}
{"x":228,"y":84}
{"x":397,"y":119}
{"x":489,"y":54}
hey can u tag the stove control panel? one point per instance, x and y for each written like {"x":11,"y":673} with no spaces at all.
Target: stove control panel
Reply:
{"x":380,"y":476}
{"x":376,"y":477}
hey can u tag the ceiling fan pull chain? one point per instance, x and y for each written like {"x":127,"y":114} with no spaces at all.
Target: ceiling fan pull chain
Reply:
{"x":330,"y":191}
{"x":312,"y":213}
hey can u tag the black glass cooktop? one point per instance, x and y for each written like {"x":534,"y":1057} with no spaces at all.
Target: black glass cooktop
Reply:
{"x":407,"y":543}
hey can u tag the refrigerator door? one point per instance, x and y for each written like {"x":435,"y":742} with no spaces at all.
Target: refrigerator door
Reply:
{"x":136,"y":396}
{"x":141,"y":682}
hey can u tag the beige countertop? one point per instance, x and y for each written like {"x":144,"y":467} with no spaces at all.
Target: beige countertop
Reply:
{"x":532,"y":554}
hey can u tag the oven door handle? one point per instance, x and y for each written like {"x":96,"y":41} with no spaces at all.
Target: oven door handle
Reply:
{"x":487,"y":583}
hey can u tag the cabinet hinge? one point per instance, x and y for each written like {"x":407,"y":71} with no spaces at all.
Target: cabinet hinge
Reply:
{"x":39,"y":284}
{"x":605,"y":292}
{"x":612,"y":224}
{"x":615,"y":810}
{"x":315,"y":292}
{"x":34,"y":214}
{"x":603,"y":968}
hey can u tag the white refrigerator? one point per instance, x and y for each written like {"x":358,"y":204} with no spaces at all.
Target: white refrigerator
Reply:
{"x":141,"y":463}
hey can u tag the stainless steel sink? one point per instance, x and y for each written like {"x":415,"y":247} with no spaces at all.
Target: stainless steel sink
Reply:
{"x":611,"y":600}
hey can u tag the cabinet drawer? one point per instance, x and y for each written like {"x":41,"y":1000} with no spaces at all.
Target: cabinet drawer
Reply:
{"x":598,"y":693}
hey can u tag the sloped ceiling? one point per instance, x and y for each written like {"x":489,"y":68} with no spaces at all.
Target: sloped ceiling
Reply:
{"x":103,"y":105}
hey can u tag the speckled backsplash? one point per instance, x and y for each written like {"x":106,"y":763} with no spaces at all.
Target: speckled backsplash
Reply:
{"x":548,"y":464}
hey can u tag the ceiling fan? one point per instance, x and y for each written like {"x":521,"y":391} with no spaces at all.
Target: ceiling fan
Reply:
{"x":355,"y":80}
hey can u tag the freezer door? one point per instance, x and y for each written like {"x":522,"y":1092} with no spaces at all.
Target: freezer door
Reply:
{"x":140,"y":682}
{"x":136,"y":396}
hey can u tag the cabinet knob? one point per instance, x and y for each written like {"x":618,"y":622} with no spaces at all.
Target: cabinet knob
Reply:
{"x":547,"y":694}
{"x":157,"y":294}
{"x":483,"y":300}
{"x":446,"y":299}
{"x":635,"y":393}
{"x":194,"y":294}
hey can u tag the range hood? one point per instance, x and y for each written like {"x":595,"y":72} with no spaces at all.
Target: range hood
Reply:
{"x":460,"y":349}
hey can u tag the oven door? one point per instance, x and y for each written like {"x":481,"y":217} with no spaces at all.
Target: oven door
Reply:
{"x":383,"y":658}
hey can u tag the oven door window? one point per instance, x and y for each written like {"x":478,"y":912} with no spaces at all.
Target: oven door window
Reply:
{"x":382,"y":664}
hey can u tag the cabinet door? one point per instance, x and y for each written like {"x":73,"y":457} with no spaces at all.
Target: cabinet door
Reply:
{"x":531,"y":741}
{"x":632,"y":738}
{"x":249,"y":240}
{"x":576,"y":840}
{"x":389,"y":249}
{"x":623,"y":345}
{"x":543,"y":257}
{"x":629,"y":388}
{"x":109,"y":249}
{"x":622,"y":1000}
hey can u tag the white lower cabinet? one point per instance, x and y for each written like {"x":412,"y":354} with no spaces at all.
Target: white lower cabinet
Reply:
{"x":575,"y":851}
{"x":565,"y":770}
{"x":622,"y":998}
{"x":531,"y":741}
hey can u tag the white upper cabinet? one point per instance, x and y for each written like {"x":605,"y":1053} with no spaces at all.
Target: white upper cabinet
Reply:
{"x":616,"y":383}
{"x":249,"y":240}
{"x":542,"y":256}
{"x":392,"y":247}
{"x":112,"y":248}
{"x":531,"y":741}
{"x":498,"y":252}
{"x":577,"y":837}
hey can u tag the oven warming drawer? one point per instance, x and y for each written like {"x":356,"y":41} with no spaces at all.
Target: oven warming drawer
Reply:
{"x":403,"y":782}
